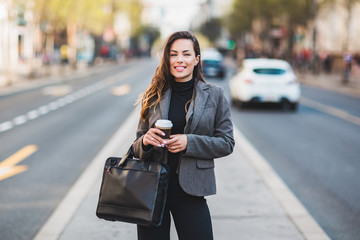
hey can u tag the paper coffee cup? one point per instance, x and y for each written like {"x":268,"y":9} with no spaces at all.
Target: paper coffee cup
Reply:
{"x":165,"y":126}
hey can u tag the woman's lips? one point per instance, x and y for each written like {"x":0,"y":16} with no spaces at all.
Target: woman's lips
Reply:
{"x":179,"y":69}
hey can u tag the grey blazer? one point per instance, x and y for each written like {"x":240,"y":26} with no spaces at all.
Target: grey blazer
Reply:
{"x":209,"y":132}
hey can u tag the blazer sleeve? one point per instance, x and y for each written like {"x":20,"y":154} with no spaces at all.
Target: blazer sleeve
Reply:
{"x":140,"y":151}
{"x":221,"y":143}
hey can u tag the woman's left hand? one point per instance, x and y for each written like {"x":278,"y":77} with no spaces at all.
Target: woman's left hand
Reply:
{"x":177,"y":143}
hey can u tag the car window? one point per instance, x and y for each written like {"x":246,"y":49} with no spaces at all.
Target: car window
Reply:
{"x":211,"y":63}
{"x":269,"y":71}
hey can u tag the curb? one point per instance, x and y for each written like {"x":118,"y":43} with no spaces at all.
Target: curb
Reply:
{"x":28,"y":85}
{"x":65,"y":211}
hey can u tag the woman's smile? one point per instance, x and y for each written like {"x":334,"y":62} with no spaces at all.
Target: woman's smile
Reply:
{"x":183,"y":60}
{"x":180,"y":69}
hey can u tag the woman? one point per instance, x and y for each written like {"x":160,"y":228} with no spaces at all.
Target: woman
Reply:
{"x":202,"y":130}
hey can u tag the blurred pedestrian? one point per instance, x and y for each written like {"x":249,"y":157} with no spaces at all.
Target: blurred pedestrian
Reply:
{"x":202,"y":130}
{"x":347,"y":68}
{"x":64,"y":54}
{"x":105,"y":51}
{"x":328,"y":61}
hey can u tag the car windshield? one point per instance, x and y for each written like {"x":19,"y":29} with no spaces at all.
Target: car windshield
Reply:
{"x":269,"y":71}
{"x":211,"y":63}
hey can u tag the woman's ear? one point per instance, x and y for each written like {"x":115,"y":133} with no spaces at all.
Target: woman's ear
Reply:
{"x":197,"y":60}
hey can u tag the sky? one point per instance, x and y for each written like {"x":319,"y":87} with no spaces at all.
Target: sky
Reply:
{"x":171,"y":15}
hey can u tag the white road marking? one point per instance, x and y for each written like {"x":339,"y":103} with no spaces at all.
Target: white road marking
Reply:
{"x":32,"y":114}
{"x":61,"y":102}
{"x":64,"y":90}
{"x":53,"y":106}
{"x":5,"y":126}
{"x":331,"y":110}
{"x":69,"y":99}
{"x":20,"y":120}
{"x":43,"y":110}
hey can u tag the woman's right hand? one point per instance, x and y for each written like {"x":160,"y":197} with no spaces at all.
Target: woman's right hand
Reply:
{"x":152,"y":137}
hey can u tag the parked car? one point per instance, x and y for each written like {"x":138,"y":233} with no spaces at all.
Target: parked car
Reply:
{"x":265,"y":80}
{"x":212,"y":63}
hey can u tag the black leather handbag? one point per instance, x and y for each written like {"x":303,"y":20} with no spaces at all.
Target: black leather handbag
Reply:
{"x":133,"y":191}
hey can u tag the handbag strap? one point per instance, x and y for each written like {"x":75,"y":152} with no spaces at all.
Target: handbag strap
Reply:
{"x":130,"y":154}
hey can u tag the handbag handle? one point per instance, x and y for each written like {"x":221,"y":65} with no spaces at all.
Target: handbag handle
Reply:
{"x":129,"y":153}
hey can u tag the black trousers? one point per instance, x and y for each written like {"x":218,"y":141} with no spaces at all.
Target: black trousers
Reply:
{"x":192,"y":221}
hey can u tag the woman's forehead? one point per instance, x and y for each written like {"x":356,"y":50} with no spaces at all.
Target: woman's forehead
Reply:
{"x":182,"y":45}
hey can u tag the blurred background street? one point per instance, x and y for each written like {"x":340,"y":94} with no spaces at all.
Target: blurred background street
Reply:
{"x":71,"y":72}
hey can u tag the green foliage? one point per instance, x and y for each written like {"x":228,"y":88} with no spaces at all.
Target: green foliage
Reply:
{"x":245,"y":12}
{"x":211,"y":29}
{"x":92,"y":15}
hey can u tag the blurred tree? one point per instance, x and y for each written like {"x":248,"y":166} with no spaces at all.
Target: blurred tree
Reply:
{"x":150,"y":33}
{"x":133,"y":9}
{"x":267,"y":12}
{"x":297,"y":12}
{"x":92,"y":15}
{"x":211,"y":29}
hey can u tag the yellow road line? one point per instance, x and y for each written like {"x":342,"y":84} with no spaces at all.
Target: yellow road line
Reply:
{"x":19,"y":156}
{"x":8,"y":166}
{"x":13,"y":171}
{"x":331,"y":110}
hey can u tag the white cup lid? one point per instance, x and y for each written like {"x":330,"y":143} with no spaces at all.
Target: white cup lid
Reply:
{"x":164,"y":123}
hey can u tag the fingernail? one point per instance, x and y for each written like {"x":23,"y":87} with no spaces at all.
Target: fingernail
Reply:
{"x":163,"y":134}
{"x":164,"y":142}
{"x":162,"y":145}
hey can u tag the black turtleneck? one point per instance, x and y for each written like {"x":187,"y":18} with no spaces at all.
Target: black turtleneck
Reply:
{"x":181,"y":93}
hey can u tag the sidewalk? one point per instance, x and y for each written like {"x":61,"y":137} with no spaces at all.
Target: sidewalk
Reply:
{"x":251,"y":203}
{"x":332,"y":82}
{"x":56,"y":74}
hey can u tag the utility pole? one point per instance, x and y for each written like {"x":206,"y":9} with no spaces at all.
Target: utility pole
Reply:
{"x":314,"y":57}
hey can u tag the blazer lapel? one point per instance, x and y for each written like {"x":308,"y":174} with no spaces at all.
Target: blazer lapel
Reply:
{"x":165,"y":104}
{"x":196,"y":109}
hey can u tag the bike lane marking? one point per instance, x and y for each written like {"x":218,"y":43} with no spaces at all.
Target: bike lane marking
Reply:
{"x":9,"y":167}
{"x":331,"y":110}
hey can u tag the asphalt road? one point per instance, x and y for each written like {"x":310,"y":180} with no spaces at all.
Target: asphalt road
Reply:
{"x":315,"y":151}
{"x":64,"y":140}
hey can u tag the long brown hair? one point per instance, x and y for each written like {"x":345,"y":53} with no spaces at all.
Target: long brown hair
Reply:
{"x":162,"y":78}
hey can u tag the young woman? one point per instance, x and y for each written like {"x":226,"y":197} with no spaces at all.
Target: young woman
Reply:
{"x":202,"y":130}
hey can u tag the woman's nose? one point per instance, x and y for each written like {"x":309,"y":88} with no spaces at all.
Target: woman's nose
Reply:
{"x":179,"y":58}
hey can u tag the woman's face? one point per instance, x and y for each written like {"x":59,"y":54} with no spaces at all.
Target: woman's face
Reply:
{"x":183,"y":60}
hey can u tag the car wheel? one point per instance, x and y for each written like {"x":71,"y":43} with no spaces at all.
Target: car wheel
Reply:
{"x":237,"y":103}
{"x":294,"y":107}
{"x":288,"y":106}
